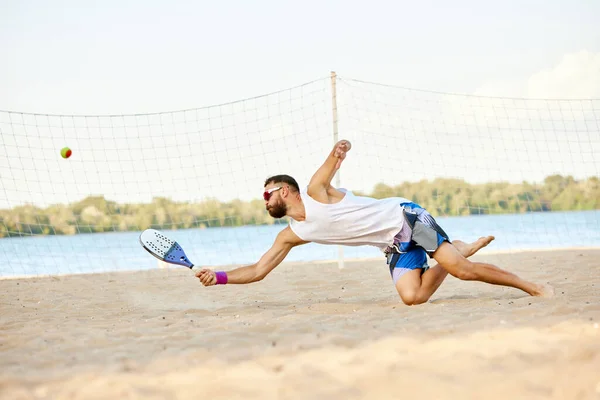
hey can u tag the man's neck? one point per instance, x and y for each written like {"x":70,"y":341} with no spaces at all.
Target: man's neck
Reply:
{"x":297,"y":211}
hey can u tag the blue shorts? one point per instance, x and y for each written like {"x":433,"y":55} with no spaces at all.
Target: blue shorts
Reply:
{"x":420,"y":235}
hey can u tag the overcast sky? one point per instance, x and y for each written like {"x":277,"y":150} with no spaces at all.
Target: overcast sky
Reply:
{"x":132,"y":57}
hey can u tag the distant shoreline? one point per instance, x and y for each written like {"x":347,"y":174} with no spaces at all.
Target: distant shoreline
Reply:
{"x":328,"y":261}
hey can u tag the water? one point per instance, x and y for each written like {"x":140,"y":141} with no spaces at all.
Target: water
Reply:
{"x":121,"y":251}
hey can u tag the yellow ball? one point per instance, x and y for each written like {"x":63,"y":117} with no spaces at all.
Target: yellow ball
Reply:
{"x":65,"y":152}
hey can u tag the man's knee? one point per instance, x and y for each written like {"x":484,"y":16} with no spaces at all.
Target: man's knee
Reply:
{"x":412,"y":298}
{"x":408,"y":297}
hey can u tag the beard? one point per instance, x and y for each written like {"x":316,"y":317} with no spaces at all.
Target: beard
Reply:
{"x":278,"y":210}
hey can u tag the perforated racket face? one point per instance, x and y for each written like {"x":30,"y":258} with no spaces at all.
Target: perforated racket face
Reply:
{"x":164,"y":248}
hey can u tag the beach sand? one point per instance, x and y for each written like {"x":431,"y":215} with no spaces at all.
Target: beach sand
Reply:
{"x":308,"y":331}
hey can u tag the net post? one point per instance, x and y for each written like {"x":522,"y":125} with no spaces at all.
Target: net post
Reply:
{"x":335,"y":140}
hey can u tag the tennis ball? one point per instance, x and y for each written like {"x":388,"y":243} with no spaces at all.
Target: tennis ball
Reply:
{"x":65,"y":152}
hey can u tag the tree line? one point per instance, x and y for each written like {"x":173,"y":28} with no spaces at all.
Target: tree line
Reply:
{"x":442,"y":197}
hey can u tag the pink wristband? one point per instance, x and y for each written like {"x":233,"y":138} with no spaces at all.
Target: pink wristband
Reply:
{"x":221,"y":277}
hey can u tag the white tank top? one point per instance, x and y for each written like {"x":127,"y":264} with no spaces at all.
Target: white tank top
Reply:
{"x":353,"y":221}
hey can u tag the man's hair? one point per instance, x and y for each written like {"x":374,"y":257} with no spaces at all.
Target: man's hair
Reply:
{"x":283,"y":179}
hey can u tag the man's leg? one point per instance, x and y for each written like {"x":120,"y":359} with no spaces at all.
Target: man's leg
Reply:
{"x":416,"y":288}
{"x":451,"y":260}
{"x":408,"y":286}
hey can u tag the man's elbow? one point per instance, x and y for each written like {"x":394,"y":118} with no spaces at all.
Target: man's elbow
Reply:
{"x":259,"y":276}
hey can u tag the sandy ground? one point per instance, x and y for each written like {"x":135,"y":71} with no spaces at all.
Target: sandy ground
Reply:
{"x":308,"y":331}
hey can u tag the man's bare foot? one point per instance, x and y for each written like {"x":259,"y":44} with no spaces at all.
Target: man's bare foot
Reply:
{"x":467,"y":250}
{"x":544,"y":290}
{"x":482,"y":242}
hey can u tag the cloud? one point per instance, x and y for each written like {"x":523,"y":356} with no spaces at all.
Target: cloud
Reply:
{"x":577,"y":75}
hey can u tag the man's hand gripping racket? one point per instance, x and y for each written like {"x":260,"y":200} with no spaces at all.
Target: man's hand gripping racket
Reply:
{"x":169,"y":251}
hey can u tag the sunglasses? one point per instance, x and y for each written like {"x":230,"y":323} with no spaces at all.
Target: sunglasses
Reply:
{"x":269,"y":192}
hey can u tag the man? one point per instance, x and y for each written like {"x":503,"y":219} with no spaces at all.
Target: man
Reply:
{"x":403,"y":230}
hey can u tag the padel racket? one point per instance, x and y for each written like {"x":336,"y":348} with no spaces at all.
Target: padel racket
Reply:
{"x":163,"y":248}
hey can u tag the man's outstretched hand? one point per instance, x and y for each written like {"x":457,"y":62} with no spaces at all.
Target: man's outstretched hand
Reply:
{"x":207,"y":277}
{"x":340,"y":150}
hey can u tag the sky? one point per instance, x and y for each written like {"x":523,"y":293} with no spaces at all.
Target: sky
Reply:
{"x":136,"y":57}
{"x":125,"y":56}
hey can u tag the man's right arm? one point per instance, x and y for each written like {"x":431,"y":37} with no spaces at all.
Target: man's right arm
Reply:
{"x":285,"y":241}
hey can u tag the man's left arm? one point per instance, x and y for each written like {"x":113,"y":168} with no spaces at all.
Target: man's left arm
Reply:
{"x":321,"y":180}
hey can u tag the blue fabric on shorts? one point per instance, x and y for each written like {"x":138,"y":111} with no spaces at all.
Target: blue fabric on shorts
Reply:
{"x":411,"y":255}
{"x":415,"y":258}
{"x":416,"y":213}
{"x":412,"y":259}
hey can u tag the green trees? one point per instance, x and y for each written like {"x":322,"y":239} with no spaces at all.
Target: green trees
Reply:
{"x":457,"y":197}
{"x":442,"y":197}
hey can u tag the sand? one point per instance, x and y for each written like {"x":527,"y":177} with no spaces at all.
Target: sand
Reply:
{"x":308,"y":331}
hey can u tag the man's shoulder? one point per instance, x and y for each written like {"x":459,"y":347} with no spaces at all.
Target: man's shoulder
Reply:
{"x":327,"y":195}
{"x":289,"y":237}
{"x":318,"y":192}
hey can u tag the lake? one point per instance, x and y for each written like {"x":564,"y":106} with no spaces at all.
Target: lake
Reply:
{"x":120,"y":251}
